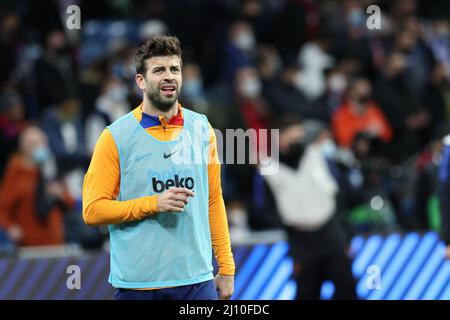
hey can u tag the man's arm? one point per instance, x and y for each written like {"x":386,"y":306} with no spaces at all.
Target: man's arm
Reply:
{"x":8,"y":199}
{"x":101,"y":187}
{"x":220,"y":236}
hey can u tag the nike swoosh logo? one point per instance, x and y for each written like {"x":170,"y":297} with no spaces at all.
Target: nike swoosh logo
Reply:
{"x":139,"y":158}
{"x":170,"y":154}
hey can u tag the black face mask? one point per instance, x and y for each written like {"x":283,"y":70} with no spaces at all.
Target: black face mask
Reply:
{"x":364,"y":99}
{"x":399,"y":80}
{"x":61,"y":51}
{"x":293,"y":155}
{"x":407,"y":51}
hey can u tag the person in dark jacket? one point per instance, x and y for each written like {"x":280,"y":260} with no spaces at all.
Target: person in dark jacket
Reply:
{"x":444,"y":195}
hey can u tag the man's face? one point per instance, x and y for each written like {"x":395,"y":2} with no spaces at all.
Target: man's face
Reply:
{"x":31,"y":139}
{"x":291,"y":136}
{"x":70,"y":108}
{"x":361,"y":92}
{"x":162,"y":81}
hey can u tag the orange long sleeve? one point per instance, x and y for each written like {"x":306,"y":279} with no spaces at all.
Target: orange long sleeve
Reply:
{"x":8,"y":196}
{"x":347,"y":124}
{"x":17,"y":207}
{"x":101,"y":187}
{"x":218,"y":222}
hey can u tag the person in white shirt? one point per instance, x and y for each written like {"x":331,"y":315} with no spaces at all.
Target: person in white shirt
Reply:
{"x":305,"y":193}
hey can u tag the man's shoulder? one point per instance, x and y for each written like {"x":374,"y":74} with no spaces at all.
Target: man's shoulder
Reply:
{"x":194,"y":116}
{"x":125,"y":118}
{"x":193,"y":113}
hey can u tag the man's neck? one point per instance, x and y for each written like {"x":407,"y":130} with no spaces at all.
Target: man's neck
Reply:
{"x":149,"y":109}
{"x":357,"y":108}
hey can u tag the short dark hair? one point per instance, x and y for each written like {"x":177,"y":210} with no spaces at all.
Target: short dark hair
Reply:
{"x":158,"y":46}
{"x":286,"y":121}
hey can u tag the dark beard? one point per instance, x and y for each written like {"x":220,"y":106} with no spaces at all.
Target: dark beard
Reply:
{"x":158,"y":103}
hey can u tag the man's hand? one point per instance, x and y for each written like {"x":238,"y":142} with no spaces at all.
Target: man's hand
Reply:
{"x":15,"y":233}
{"x":225,"y":286}
{"x":447,"y":252}
{"x":174,"y":199}
{"x":56,"y":189}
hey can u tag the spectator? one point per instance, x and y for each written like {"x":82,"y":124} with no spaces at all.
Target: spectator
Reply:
{"x":193,"y":94}
{"x":12,"y":122}
{"x":62,"y":124}
{"x":438,"y":39}
{"x":9,"y":27}
{"x":55,"y":71}
{"x":32,"y":199}
{"x":418,"y":57}
{"x":314,"y":60}
{"x":352,"y":39}
{"x":262,"y":211}
{"x":110,"y":105}
{"x":436,"y":98}
{"x":289,"y":29}
{"x":284,"y":97}
{"x":65,"y":131}
{"x":240,"y":50}
{"x":336,"y":87}
{"x":305,"y":194}
{"x":279,"y":87}
{"x":248,"y":96}
{"x":406,"y":117}
{"x":255,"y":114}
{"x":360,"y":114}
{"x":269,"y":63}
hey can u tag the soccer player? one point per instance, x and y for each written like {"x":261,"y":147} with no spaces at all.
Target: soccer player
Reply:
{"x":165,"y":217}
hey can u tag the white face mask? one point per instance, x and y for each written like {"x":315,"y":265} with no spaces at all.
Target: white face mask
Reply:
{"x":41,"y":154}
{"x":312,"y":85}
{"x":337,"y":83}
{"x":193,"y":87}
{"x":251,"y":87}
{"x":328,"y":148}
{"x":118,"y":94}
{"x":245,"y":41}
{"x":356,"y":17}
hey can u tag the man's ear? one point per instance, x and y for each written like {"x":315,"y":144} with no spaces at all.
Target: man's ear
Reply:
{"x":140,"y":81}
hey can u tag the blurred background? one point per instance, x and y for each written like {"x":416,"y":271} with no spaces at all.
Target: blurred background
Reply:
{"x":376,"y":103}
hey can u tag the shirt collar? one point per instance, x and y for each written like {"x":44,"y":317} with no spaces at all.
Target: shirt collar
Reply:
{"x":148,"y":121}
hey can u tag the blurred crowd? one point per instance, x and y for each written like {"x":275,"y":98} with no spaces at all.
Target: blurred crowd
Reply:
{"x":377,"y":102}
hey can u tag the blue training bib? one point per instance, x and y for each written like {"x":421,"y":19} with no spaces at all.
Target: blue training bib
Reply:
{"x":164,"y":249}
